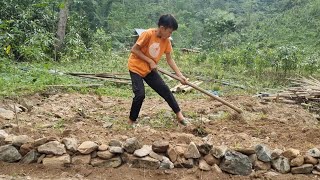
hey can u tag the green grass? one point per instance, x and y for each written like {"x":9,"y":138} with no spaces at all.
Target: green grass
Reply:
{"x":27,"y":78}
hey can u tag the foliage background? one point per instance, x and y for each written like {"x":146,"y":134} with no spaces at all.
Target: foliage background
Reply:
{"x":254,"y":42}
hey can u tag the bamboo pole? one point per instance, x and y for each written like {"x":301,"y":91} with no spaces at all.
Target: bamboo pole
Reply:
{"x":202,"y":90}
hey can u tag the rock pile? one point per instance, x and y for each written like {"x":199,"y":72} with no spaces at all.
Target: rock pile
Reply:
{"x":159,"y":155}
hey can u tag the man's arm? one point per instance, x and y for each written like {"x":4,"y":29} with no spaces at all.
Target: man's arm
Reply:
{"x":175,"y":68}
{"x":136,"y":49}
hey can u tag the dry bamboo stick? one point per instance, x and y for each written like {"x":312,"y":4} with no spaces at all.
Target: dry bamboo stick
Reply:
{"x":106,"y":79}
{"x":76,"y":85}
{"x":189,"y":88}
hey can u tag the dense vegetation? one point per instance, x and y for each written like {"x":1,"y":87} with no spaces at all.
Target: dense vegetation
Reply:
{"x":256,"y":43}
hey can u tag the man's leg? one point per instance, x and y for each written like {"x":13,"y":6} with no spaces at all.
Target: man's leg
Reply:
{"x":139,"y":95}
{"x":154,"y":80}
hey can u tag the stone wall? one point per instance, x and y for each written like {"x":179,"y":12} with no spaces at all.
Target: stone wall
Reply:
{"x":158,"y":155}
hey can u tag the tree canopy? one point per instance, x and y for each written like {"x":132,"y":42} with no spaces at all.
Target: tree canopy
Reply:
{"x":28,"y":29}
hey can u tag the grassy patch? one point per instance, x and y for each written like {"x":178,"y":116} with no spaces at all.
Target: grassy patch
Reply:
{"x":226,"y":74}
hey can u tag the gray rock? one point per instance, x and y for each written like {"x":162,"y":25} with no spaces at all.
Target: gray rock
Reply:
{"x":290,"y":153}
{"x":81,"y":159}
{"x":30,"y":157}
{"x":103,"y":147}
{"x":23,"y":139}
{"x":71,"y":144}
{"x":145,"y":163}
{"x":131,"y":145}
{"x":297,"y":161}
{"x":9,"y":139}
{"x":113,"y":162}
{"x":184,"y":163}
{"x":314,"y":152}
{"x":6,"y":114}
{"x":57,"y":161}
{"x":253,"y":158}
{"x":105,"y":155}
{"x":205,"y":148}
{"x":192,"y":151}
{"x":203,"y":165}
{"x":52,"y":147}
{"x":245,"y":151}
{"x":310,"y":160}
{"x":144,"y":151}
{"x":211,"y":160}
{"x":236,"y":163}
{"x":3,"y":135}
{"x":281,"y":165}
{"x":166,"y":163}
{"x":304,"y":169}
{"x":114,"y":142}
{"x":260,"y":165}
{"x":40,"y":141}
{"x":215,"y":168}
{"x":317,"y":167}
{"x":127,"y":158}
{"x":42,"y":156}
{"x":276,"y":153}
{"x":156,"y":156}
{"x":219,"y":151}
{"x":8,"y":153}
{"x":87,"y":147}
{"x":160,"y":146}
{"x":116,"y":150}
{"x":263,"y":153}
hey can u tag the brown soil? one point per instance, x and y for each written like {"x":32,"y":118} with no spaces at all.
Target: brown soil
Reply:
{"x":83,"y":116}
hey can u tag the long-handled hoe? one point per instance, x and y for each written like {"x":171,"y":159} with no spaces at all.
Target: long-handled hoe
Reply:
{"x":202,"y":90}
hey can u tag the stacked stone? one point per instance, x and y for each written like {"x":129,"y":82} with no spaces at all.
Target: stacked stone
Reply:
{"x":159,"y":155}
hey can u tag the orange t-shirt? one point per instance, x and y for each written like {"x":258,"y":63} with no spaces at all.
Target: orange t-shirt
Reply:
{"x":152,"y":47}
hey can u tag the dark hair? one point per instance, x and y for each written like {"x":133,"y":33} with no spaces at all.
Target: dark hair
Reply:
{"x":168,"y":21}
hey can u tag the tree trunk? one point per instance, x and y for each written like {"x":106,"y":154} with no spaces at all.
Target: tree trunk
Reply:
{"x":61,"y":32}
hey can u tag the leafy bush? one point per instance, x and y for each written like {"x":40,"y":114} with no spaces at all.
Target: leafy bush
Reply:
{"x":312,"y":63}
{"x":288,"y":58}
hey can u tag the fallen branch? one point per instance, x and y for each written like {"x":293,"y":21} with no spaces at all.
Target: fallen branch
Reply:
{"x":76,"y":85}
{"x":103,"y":75}
{"x":105,"y":79}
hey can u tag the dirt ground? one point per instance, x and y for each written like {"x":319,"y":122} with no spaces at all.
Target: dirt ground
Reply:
{"x":84,"y":117}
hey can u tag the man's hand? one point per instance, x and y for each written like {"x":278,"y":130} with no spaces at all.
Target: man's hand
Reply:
{"x":183,"y":80}
{"x":152,"y":65}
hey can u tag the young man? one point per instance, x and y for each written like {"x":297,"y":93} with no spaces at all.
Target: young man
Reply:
{"x":142,"y":64}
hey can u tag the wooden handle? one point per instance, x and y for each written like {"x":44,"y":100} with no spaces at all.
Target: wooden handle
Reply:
{"x":202,"y":90}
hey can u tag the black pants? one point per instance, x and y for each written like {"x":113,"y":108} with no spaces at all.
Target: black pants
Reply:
{"x":154,"y":80}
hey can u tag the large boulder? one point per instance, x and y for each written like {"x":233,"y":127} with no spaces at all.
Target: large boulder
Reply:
{"x":236,"y":163}
{"x":8,"y":153}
